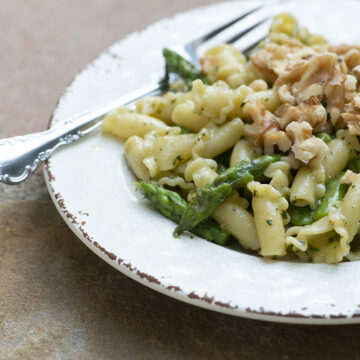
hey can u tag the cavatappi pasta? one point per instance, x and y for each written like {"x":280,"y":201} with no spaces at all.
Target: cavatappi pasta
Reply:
{"x":296,"y":96}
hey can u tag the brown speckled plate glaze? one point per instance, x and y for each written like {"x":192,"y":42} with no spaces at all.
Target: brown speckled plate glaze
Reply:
{"x":94,"y":192}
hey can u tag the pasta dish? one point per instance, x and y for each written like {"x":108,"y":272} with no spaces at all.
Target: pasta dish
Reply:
{"x":261,"y":147}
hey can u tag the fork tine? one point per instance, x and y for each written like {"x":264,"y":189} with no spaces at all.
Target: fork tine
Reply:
{"x":246,"y":30}
{"x":197,"y":42}
{"x":249,"y":47}
{"x":248,"y":42}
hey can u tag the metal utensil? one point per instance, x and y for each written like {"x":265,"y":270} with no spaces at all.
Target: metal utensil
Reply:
{"x":20,"y":156}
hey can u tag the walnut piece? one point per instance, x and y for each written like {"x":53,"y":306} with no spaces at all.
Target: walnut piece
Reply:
{"x":306,"y":148}
{"x":309,"y":110}
{"x":273,"y":60}
{"x":320,"y":69}
{"x":353,"y":122}
{"x":351,"y":115}
{"x":352,"y":58}
{"x":263,"y":121}
{"x":335,"y":95}
{"x":285,"y":95}
{"x":314,"y":84}
{"x":279,"y":138}
{"x":262,"y":60}
{"x":208,"y":64}
{"x":356,"y":72}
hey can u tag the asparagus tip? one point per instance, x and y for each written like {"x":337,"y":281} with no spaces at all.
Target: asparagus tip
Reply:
{"x":177,"y":232}
{"x":138,"y":185}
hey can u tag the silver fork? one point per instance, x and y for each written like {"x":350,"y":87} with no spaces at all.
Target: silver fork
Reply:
{"x":20,"y":156}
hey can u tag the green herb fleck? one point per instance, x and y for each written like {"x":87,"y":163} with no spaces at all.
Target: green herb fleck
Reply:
{"x":269,"y":221}
{"x":177,"y":159}
{"x":312,"y":248}
{"x":185,"y":130}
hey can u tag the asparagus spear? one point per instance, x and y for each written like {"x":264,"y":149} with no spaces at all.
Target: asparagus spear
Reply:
{"x":324,"y":137}
{"x":176,"y":64}
{"x":172,"y":205}
{"x":300,"y":216}
{"x":334,"y":191}
{"x":220,"y":168}
{"x":220,"y":189}
{"x":357,"y":164}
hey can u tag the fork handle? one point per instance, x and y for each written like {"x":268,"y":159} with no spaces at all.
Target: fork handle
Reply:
{"x":20,"y":156}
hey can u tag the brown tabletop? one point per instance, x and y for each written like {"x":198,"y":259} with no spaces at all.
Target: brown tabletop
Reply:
{"x":58,"y":300}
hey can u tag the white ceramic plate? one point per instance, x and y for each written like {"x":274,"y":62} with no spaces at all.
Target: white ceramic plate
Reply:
{"x":93,"y":190}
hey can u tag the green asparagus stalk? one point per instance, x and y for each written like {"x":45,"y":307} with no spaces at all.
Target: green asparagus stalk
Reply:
{"x":207,"y":200}
{"x":324,"y":137}
{"x":172,"y":205}
{"x":334,"y":192}
{"x":220,"y":168}
{"x":357,"y":164}
{"x":187,"y":71}
{"x":300,"y":216}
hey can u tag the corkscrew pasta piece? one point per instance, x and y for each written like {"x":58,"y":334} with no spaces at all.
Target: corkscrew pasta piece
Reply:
{"x":184,"y":115}
{"x":280,"y":176}
{"x":122,"y":123}
{"x":269,"y":206}
{"x":214,"y":140}
{"x":244,"y":150}
{"x":233,"y":216}
{"x":336,"y":157}
{"x":303,"y":188}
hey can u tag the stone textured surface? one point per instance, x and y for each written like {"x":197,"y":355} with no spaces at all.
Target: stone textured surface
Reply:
{"x":57,"y":299}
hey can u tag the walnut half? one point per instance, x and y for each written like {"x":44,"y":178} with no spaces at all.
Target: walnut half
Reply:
{"x":263,"y":121}
{"x":307,"y":148}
